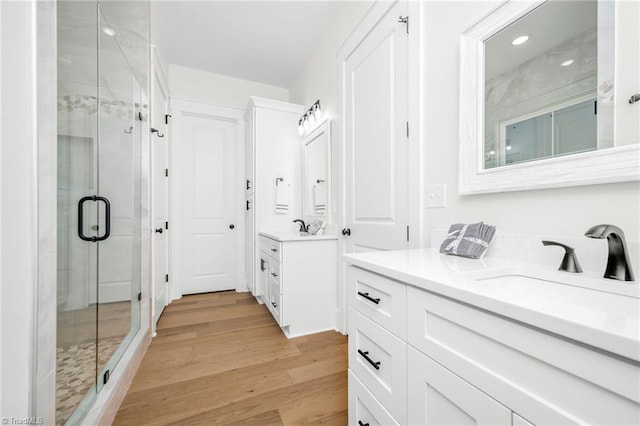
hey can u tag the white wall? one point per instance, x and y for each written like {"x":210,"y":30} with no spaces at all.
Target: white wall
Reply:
{"x":18,"y":215}
{"x":552,"y":212}
{"x":217,"y":89}
{"x":320,"y":78}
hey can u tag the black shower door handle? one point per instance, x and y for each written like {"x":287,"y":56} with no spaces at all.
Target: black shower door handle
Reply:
{"x":107,"y":218}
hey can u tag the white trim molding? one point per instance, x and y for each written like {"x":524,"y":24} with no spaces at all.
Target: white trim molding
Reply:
{"x":618,"y":164}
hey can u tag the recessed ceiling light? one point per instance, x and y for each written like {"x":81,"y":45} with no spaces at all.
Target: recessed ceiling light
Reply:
{"x":567,"y":63}
{"x":108,"y":31}
{"x":520,"y":40}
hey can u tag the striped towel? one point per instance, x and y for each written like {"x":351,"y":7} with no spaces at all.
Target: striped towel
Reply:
{"x":282,"y":198}
{"x":468,"y":240}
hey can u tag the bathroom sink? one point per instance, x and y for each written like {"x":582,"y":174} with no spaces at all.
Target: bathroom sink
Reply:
{"x":525,"y":277}
{"x":580,"y":299}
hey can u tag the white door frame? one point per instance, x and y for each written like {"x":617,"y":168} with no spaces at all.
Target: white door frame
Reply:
{"x":180,"y":107}
{"x":416,"y":153}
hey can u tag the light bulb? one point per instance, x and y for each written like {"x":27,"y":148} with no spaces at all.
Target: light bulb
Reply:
{"x":520,"y":40}
{"x":317,"y":113}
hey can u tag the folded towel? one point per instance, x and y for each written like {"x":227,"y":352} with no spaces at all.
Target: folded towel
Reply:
{"x":320,"y":198}
{"x":282,"y":197}
{"x":468,"y":240}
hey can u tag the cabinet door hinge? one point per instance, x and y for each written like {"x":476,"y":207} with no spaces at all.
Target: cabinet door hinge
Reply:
{"x":166,"y":172}
{"x":407,"y":130}
{"x":139,"y":296}
{"x":166,"y":226}
{"x":407,"y":233}
{"x":166,"y":278}
{"x":404,"y":20}
{"x":166,"y":118}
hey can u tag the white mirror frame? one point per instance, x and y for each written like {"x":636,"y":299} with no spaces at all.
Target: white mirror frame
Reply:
{"x":323,"y":128}
{"x":617,"y":164}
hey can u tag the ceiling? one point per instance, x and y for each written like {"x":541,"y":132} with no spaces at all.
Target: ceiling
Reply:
{"x":263,"y":41}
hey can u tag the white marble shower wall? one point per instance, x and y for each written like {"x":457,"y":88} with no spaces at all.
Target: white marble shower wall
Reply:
{"x":541,"y":82}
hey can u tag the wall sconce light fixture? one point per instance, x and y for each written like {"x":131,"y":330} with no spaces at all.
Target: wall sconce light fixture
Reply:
{"x":310,"y":119}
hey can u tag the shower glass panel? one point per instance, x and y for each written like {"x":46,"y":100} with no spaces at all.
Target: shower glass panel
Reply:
{"x":99,"y":193}
{"x":77,"y":274}
{"x":118,"y":178}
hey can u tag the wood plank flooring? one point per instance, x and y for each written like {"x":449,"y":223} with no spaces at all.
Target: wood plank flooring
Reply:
{"x":220,"y":359}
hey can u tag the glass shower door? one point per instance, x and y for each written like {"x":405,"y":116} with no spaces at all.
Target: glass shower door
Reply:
{"x":77,"y":272}
{"x":99,"y":194}
{"x":118,"y":181}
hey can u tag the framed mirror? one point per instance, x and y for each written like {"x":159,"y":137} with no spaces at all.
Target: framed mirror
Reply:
{"x":316,"y":174}
{"x":547,"y":96}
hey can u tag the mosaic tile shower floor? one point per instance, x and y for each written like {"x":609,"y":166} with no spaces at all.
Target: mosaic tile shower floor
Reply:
{"x":77,"y":364}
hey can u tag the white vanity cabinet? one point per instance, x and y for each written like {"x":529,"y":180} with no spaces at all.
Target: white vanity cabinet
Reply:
{"x":449,"y":362}
{"x":272,"y":151}
{"x":298,"y":281}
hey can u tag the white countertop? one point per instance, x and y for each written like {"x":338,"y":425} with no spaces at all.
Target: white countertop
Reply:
{"x":598,"y":318}
{"x":294,"y":236}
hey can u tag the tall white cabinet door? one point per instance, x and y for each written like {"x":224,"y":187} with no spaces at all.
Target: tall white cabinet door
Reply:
{"x":250,"y":245}
{"x":438,"y":397}
{"x":206,"y":187}
{"x":376,"y":143}
{"x":160,"y":192}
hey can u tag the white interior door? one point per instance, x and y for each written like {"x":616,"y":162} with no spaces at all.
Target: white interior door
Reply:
{"x":375,"y":156}
{"x":160,"y":196}
{"x":376,"y":141}
{"x":205,"y":186}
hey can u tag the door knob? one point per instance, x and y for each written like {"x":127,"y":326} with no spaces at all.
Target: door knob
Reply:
{"x":346,"y":231}
{"x":232,"y":226}
{"x":159,"y":231}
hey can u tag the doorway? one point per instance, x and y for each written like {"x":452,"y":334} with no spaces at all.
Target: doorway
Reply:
{"x":205,"y":206}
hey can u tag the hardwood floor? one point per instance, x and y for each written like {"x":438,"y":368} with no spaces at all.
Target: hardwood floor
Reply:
{"x":220,"y":358}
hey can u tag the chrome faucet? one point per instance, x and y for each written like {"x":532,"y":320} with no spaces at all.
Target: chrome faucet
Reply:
{"x":569,"y":261}
{"x":303,"y":227}
{"x":618,"y":265}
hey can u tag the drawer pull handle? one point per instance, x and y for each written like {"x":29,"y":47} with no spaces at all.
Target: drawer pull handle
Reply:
{"x":274,"y":304}
{"x":362,"y":424}
{"x":375,"y":300}
{"x":274,"y":274}
{"x":274,"y":250}
{"x":375,"y":364}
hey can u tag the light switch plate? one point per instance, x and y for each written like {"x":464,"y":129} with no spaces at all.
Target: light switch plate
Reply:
{"x":436,"y":196}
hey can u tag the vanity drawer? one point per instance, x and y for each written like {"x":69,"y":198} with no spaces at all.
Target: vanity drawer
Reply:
{"x":379,"y":361}
{"x":381,"y":299}
{"x":275,"y":275}
{"x":265,"y":243}
{"x":364,"y":409}
{"x":275,"y":248}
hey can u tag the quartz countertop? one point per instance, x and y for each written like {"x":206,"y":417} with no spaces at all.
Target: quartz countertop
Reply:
{"x":599,"y":312}
{"x":294,"y":236}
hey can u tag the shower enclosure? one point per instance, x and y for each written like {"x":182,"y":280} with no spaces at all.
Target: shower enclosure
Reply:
{"x":102,"y":57}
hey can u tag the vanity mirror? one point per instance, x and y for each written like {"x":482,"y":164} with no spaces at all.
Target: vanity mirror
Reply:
{"x":546,"y":96}
{"x":316,"y":195}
